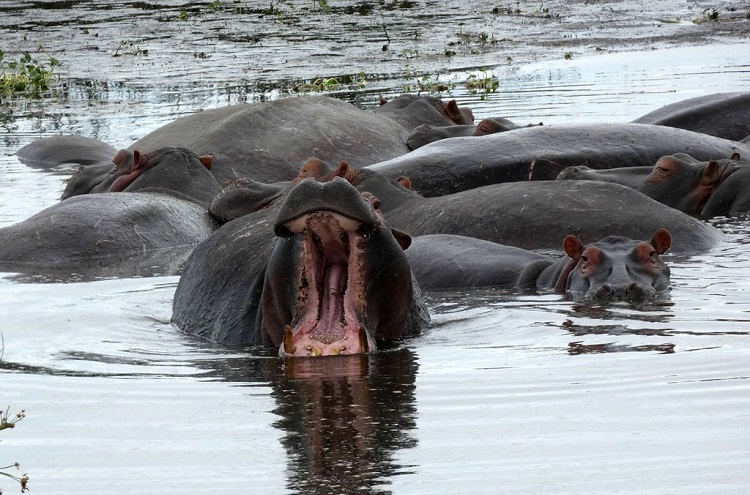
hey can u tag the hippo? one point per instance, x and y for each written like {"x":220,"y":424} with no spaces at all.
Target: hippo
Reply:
{"x":448,"y":261}
{"x":169,"y":168}
{"x":541,"y":153}
{"x":612,"y":269}
{"x":244,"y":195}
{"x":267,"y":141}
{"x":535,"y":215}
{"x":426,"y":133}
{"x":334,"y":281}
{"x":705,"y":189}
{"x":108,"y":234}
{"x":724,"y":115}
{"x":529,"y":215}
{"x":65,"y":151}
{"x":627,"y":176}
{"x":414,"y":110}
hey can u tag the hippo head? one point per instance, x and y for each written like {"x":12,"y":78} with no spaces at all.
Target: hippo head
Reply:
{"x":686,"y":184}
{"x":338,"y":281}
{"x":618,"y":268}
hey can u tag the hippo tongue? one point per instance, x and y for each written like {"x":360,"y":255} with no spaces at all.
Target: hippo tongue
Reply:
{"x":328,"y":322}
{"x":331,"y":280}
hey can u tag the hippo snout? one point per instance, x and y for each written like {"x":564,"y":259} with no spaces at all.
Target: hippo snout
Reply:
{"x":632,"y":292}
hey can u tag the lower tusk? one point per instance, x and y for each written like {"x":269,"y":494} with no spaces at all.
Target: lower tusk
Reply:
{"x":289,"y":347}
{"x":363,"y":340}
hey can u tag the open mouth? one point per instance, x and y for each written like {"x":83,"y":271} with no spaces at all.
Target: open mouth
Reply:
{"x":329,"y":313}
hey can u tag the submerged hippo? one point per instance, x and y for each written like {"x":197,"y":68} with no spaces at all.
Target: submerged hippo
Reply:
{"x":336,"y":281}
{"x":614,"y":268}
{"x":701,"y":188}
{"x":65,"y":151}
{"x":529,"y":215}
{"x":705,"y":189}
{"x":106,"y":235}
{"x":267,"y":141}
{"x":173,"y":169}
{"x":426,"y":133}
{"x":725,"y":115}
{"x":541,"y":153}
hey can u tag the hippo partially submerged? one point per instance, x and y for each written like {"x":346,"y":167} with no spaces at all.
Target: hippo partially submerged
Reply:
{"x":612,"y":269}
{"x":705,"y":189}
{"x":336,"y":281}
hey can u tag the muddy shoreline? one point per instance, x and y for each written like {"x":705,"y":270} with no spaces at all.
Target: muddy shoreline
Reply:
{"x":261,"y":50}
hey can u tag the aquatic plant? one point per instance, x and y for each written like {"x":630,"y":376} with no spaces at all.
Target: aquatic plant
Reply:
{"x":26,"y":76}
{"x":329,"y":84}
{"x":484,"y":82}
{"x":8,"y":421}
{"x":709,"y":15}
{"x":129,"y":48}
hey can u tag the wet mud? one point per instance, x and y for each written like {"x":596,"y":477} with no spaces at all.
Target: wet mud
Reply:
{"x":255,"y":50}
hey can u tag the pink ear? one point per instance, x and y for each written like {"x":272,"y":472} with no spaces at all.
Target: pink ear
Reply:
{"x":139,"y":160}
{"x":207,"y":161}
{"x":403,"y":239}
{"x":404,"y":181}
{"x":573,"y":247}
{"x":662,"y":241}
{"x":451,"y":108}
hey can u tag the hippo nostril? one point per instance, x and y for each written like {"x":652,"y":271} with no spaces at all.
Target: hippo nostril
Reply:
{"x":633,"y":287}
{"x":607,"y":289}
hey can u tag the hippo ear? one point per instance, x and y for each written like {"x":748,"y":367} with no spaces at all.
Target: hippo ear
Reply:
{"x":662,"y":241}
{"x":382,"y":100}
{"x":403,"y":239}
{"x":139,"y":160}
{"x":345,"y":171}
{"x":735,"y":157}
{"x":451,"y":108}
{"x":207,"y":160}
{"x":404,"y":181}
{"x":711,"y":174}
{"x":573,"y":247}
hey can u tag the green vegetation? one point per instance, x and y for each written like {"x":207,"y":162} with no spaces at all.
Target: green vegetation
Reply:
{"x":329,"y":84}
{"x":8,"y":421}
{"x":483,"y":83}
{"x":430,"y":84}
{"x":26,"y":76}
{"x":709,"y":15}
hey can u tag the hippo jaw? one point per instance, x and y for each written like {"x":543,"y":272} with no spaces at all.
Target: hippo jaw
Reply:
{"x":329,"y":315}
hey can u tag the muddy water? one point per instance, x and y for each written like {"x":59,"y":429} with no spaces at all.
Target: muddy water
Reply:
{"x":504,"y":394}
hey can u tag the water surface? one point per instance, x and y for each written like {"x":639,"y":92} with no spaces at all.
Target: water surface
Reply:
{"x":503,"y":394}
